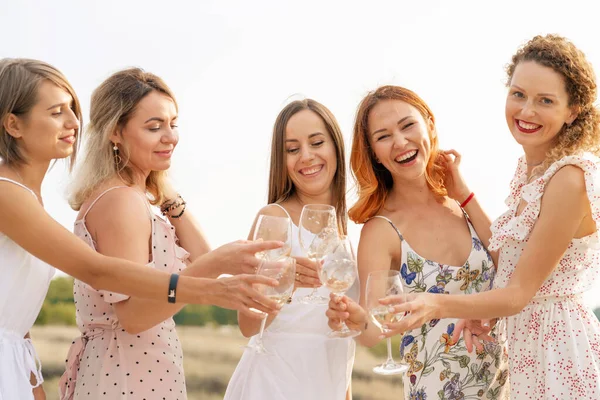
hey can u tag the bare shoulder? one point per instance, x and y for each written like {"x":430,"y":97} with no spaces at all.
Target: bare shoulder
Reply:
{"x":273,"y":210}
{"x":121,"y":208}
{"x":567,"y":182}
{"x":378,"y":233}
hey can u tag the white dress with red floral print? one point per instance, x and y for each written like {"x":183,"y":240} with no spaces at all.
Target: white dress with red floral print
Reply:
{"x":554,"y":342}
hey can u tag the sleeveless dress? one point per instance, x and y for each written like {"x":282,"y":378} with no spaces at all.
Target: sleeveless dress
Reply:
{"x":554,"y":342}
{"x":24,"y":282}
{"x":303,"y":362}
{"x":438,"y":367}
{"x":106,"y":362}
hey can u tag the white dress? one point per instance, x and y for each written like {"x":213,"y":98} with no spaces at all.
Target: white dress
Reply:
{"x":554,"y":342}
{"x":24,"y":282}
{"x":303,"y":362}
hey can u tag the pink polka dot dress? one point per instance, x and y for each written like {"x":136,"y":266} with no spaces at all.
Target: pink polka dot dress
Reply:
{"x":554,"y":342}
{"x":108,"y":363}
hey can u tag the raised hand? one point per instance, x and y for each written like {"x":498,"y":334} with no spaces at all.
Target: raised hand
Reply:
{"x":237,"y":293}
{"x":307,"y":273}
{"x":473,"y":332}
{"x":453,"y":181}
{"x":344,"y":309}
{"x":239,"y":257}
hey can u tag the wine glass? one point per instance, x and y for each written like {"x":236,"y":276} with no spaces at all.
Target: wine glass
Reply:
{"x":338,"y":274}
{"x":318,"y":232}
{"x":381,"y":284}
{"x":269,"y":227}
{"x":283,"y":270}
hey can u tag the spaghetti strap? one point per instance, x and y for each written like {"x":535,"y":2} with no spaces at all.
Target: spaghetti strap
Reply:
{"x":19,"y":184}
{"x":391,"y":223}
{"x":150,"y":214}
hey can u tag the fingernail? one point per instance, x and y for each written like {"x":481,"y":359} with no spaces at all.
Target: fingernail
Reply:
{"x":391,"y":310}
{"x":486,"y":324}
{"x":381,"y":337}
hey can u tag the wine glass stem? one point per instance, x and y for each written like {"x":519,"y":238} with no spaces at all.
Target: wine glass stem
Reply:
{"x":262,"y":328}
{"x":390,"y":359}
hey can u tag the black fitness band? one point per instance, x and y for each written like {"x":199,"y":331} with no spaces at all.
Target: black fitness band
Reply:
{"x":173,"y":288}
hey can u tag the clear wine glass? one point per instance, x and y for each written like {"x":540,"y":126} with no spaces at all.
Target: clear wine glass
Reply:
{"x":318,"y":232}
{"x":269,"y":227}
{"x":338,"y":273}
{"x":283,"y":270}
{"x":381,"y":284}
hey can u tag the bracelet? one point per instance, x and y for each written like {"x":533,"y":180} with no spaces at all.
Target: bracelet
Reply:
{"x":181,"y":213}
{"x":168,"y":206}
{"x":173,"y":288}
{"x":464,"y":203}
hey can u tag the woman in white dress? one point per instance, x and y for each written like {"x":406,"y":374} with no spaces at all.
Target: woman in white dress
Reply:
{"x":40,"y":120}
{"x":307,"y":167}
{"x":547,"y":240}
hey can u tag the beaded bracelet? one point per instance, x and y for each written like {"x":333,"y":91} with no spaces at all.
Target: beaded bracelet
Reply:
{"x":181,"y":213}
{"x":167,"y":206}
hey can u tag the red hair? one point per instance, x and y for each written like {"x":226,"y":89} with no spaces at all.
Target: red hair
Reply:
{"x":373,"y":182}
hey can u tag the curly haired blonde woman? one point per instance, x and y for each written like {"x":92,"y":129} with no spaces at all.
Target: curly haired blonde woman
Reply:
{"x":548,"y":239}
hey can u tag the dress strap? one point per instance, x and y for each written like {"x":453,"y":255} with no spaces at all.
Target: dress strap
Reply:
{"x":392,"y":224}
{"x":150,"y":214}
{"x":18,"y":184}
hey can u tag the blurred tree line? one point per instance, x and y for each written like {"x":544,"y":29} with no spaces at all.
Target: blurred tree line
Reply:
{"x":59,"y":309}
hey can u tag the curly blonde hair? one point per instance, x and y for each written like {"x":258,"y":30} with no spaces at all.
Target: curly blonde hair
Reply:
{"x":558,"y":53}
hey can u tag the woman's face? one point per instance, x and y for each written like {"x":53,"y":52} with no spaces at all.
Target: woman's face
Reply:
{"x":49,"y":130}
{"x":399,"y":138}
{"x":311,"y":159}
{"x":150,"y":135}
{"x":537,"y":105}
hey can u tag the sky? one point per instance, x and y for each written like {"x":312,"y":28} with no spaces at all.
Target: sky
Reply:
{"x":234,"y":64}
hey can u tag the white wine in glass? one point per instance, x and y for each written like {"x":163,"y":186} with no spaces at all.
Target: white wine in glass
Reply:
{"x":284,"y":271}
{"x":381,"y":284}
{"x":318,"y":233}
{"x":338,"y":274}
{"x":269,"y":227}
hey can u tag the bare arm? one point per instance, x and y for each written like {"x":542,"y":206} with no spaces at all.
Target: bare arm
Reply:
{"x":459,"y":191}
{"x":565,"y":214}
{"x":25,"y":221}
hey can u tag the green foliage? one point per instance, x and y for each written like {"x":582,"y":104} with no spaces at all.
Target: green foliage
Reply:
{"x":59,"y":309}
{"x":380,"y":349}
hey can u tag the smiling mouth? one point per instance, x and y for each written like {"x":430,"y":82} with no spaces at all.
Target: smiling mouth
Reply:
{"x":407,"y":157}
{"x":527,"y":127}
{"x":68,"y":139}
{"x":310,"y":171}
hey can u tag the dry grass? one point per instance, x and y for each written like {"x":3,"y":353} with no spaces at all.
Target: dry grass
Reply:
{"x":210,"y":356}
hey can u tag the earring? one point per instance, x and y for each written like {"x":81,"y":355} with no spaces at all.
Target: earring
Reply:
{"x":116,"y":155}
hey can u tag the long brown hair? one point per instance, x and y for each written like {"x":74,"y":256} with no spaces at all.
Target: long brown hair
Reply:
{"x":374,"y":182}
{"x":281,"y":186}
{"x":113,"y":103}
{"x":20,"y":80}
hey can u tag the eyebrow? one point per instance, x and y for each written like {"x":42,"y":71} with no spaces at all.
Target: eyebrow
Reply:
{"x":312,"y":135}
{"x":398,"y":123}
{"x":539,"y":94}
{"x":58,"y":105}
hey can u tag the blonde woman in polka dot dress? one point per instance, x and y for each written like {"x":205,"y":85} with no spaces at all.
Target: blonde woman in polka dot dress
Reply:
{"x":129,"y":348}
{"x":547,"y":241}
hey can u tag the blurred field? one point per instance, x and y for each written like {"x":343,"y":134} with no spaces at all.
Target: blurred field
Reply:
{"x":210,"y":356}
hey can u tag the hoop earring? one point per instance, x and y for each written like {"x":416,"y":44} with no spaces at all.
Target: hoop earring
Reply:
{"x":116,"y":155}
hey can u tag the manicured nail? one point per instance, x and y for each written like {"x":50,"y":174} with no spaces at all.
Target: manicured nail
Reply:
{"x":381,"y":337}
{"x":391,"y":310}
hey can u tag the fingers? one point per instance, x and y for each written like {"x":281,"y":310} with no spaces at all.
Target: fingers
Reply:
{"x":477,"y":343}
{"x":259,"y":245}
{"x":398,"y":328}
{"x":468,"y":336}
{"x":253,"y":279}
{"x":306,"y":273}
{"x":395,"y":300}
{"x":458,"y":329}
{"x":250,"y":313}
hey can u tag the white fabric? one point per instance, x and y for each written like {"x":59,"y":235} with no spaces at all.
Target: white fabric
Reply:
{"x":24,"y":281}
{"x":303,"y":362}
{"x":554,"y":342}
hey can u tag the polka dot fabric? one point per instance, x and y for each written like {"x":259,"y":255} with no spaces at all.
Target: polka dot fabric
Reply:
{"x":108,"y":363}
{"x":554,"y":342}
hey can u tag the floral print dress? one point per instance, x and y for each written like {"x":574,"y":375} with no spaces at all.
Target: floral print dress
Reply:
{"x":554,"y":342}
{"x":438,"y":367}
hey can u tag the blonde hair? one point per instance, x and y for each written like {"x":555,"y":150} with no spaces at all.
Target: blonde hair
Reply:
{"x":112,"y":105}
{"x":558,"y":53}
{"x":20,"y":80}
{"x":281,"y":186}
